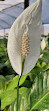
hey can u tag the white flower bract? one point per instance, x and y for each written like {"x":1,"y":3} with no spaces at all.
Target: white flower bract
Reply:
{"x":30,"y":22}
{"x":41,"y":56}
{"x":43,"y":44}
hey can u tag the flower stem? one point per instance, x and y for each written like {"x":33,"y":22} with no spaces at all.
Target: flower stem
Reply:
{"x":18,"y":95}
{"x":22,"y":67}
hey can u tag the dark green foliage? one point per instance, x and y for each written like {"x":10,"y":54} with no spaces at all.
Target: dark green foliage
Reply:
{"x":5,"y":66}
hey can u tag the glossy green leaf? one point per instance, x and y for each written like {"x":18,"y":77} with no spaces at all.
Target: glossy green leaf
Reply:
{"x":40,"y":92}
{"x":12,"y":107}
{"x":2,"y":82}
{"x":9,"y":78}
{"x":34,"y":72}
{"x":8,"y":97}
{"x":23,"y":78}
{"x":14,"y":82}
{"x":24,"y":100}
{"x":27,"y":83}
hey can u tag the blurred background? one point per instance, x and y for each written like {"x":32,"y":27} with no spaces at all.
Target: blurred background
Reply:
{"x":11,"y":9}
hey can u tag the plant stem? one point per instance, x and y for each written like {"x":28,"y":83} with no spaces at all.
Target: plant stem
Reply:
{"x":18,"y":93}
{"x":22,"y":67}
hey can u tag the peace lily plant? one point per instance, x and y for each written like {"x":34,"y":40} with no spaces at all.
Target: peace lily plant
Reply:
{"x":24,"y":41}
{"x":28,"y":90}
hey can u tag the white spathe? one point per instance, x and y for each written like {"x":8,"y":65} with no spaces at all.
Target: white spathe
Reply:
{"x":43,"y":44}
{"x":30,"y":22}
{"x":41,"y":56}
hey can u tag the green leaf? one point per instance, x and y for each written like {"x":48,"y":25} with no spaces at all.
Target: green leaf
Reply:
{"x":9,"y":78}
{"x":27,"y":83}
{"x":23,"y":78}
{"x":40,"y":92}
{"x":46,"y":55}
{"x":34,"y":72}
{"x":2,"y":82}
{"x":14,"y":82}
{"x":43,"y":64}
{"x":8,"y":97}
{"x":24,"y":100}
{"x":12,"y":107}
